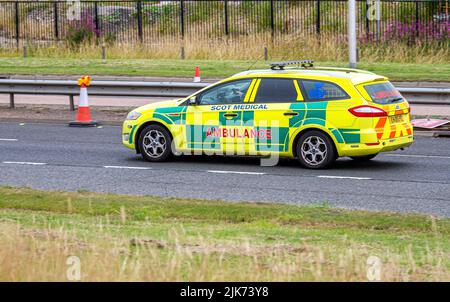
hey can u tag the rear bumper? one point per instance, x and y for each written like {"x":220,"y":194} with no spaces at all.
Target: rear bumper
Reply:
{"x":391,"y":144}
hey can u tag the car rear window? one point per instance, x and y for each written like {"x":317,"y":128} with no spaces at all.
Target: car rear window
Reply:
{"x":323,"y":91}
{"x":383,"y":93}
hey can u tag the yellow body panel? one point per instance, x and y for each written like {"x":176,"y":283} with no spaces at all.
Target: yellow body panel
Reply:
{"x":251,"y":128}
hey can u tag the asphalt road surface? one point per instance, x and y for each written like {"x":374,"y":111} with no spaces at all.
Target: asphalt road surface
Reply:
{"x":56,"y":157}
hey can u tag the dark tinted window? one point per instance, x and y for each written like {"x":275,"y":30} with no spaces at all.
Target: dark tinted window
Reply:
{"x":323,"y":91}
{"x":276,"y":91}
{"x":228,"y":93}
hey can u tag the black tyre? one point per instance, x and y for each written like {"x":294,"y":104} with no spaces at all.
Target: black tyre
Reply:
{"x":155,"y":143}
{"x":363,"y":158}
{"x":315,"y":150}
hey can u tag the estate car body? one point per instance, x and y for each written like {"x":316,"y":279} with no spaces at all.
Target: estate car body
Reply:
{"x":315,"y":114}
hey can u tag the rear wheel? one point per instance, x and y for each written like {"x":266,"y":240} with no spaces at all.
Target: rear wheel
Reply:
{"x":364,"y":158}
{"x":315,"y":150}
{"x":155,"y":143}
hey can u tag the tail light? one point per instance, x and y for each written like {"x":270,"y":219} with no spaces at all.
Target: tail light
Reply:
{"x":367,"y":111}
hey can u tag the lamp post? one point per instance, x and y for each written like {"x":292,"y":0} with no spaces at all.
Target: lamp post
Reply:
{"x":352,"y":33}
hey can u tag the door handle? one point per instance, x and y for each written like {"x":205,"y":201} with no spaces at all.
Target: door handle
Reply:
{"x":230,"y":115}
{"x":290,"y":113}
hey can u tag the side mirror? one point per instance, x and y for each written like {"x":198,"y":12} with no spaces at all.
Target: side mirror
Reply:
{"x":193,"y":100}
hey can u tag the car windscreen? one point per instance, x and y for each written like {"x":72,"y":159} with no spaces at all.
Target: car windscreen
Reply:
{"x":383,"y":93}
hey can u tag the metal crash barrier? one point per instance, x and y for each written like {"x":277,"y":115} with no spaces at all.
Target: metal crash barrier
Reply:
{"x":430,"y":96}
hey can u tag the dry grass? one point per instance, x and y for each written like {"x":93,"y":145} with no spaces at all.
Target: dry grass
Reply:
{"x":42,"y":255}
{"x":125,"y":238}
{"x":44,"y":258}
{"x":325,"y":48}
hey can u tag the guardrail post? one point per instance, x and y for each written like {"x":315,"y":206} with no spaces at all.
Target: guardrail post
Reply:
{"x":55,"y":12}
{"x":139,"y":19}
{"x":17,"y":19}
{"x":318,"y":17}
{"x":71,"y":103}
{"x":11,"y":101}
{"x":227,"y":29}
{"x":182,"y":17}
{"x":103,"y":52}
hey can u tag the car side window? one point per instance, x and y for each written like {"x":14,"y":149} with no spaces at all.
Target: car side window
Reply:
{"x":228,"y":93}
{"x":323,"y":91}
{"x":276,"y":91}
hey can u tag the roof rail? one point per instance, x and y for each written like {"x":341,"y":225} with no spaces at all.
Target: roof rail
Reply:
{"x":310,"y":64}
{"x":301,"y":63}
{"x":343,"y":69}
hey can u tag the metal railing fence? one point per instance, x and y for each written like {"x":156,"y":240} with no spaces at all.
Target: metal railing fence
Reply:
{"x":155,"y":21}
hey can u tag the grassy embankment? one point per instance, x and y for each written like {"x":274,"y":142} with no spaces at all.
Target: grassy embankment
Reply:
{"x":209,"y":68}
{"x":398,"y":60}
{"x":151,"y":238}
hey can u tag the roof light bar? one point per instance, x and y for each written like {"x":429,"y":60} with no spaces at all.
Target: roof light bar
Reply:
{"x":281,"y":65}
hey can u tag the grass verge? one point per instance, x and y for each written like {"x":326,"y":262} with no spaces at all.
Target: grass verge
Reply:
{"x":120,"y":237}
{"x":209,"y":68}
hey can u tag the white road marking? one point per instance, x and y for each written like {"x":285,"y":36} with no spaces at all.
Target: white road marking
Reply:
{"x":23,"y":163}
{"x":419,"y":156}
{"x":235,"y":172}
{"x":343,"y":177}
{"x":125,"y":167}
{"x":8,"y":140}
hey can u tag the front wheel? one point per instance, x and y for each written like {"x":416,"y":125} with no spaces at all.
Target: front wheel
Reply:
{"x":363,"y":158}
{"x":315,"y":150}
{"x":155,"y":143}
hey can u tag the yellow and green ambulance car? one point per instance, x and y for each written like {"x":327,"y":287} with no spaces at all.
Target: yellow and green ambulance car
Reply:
{"x":314,"y":114}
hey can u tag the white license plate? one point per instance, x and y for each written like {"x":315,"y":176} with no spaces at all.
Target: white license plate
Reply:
{"x":394,"y":119}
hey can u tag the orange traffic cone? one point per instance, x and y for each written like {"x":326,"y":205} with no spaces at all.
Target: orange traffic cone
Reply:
{"x":83,"y":117}
{"x":197,"y":75}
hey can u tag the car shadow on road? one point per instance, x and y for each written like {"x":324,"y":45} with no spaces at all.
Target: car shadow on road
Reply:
{"x":341,"y":164}
{"x":374,"y":165}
